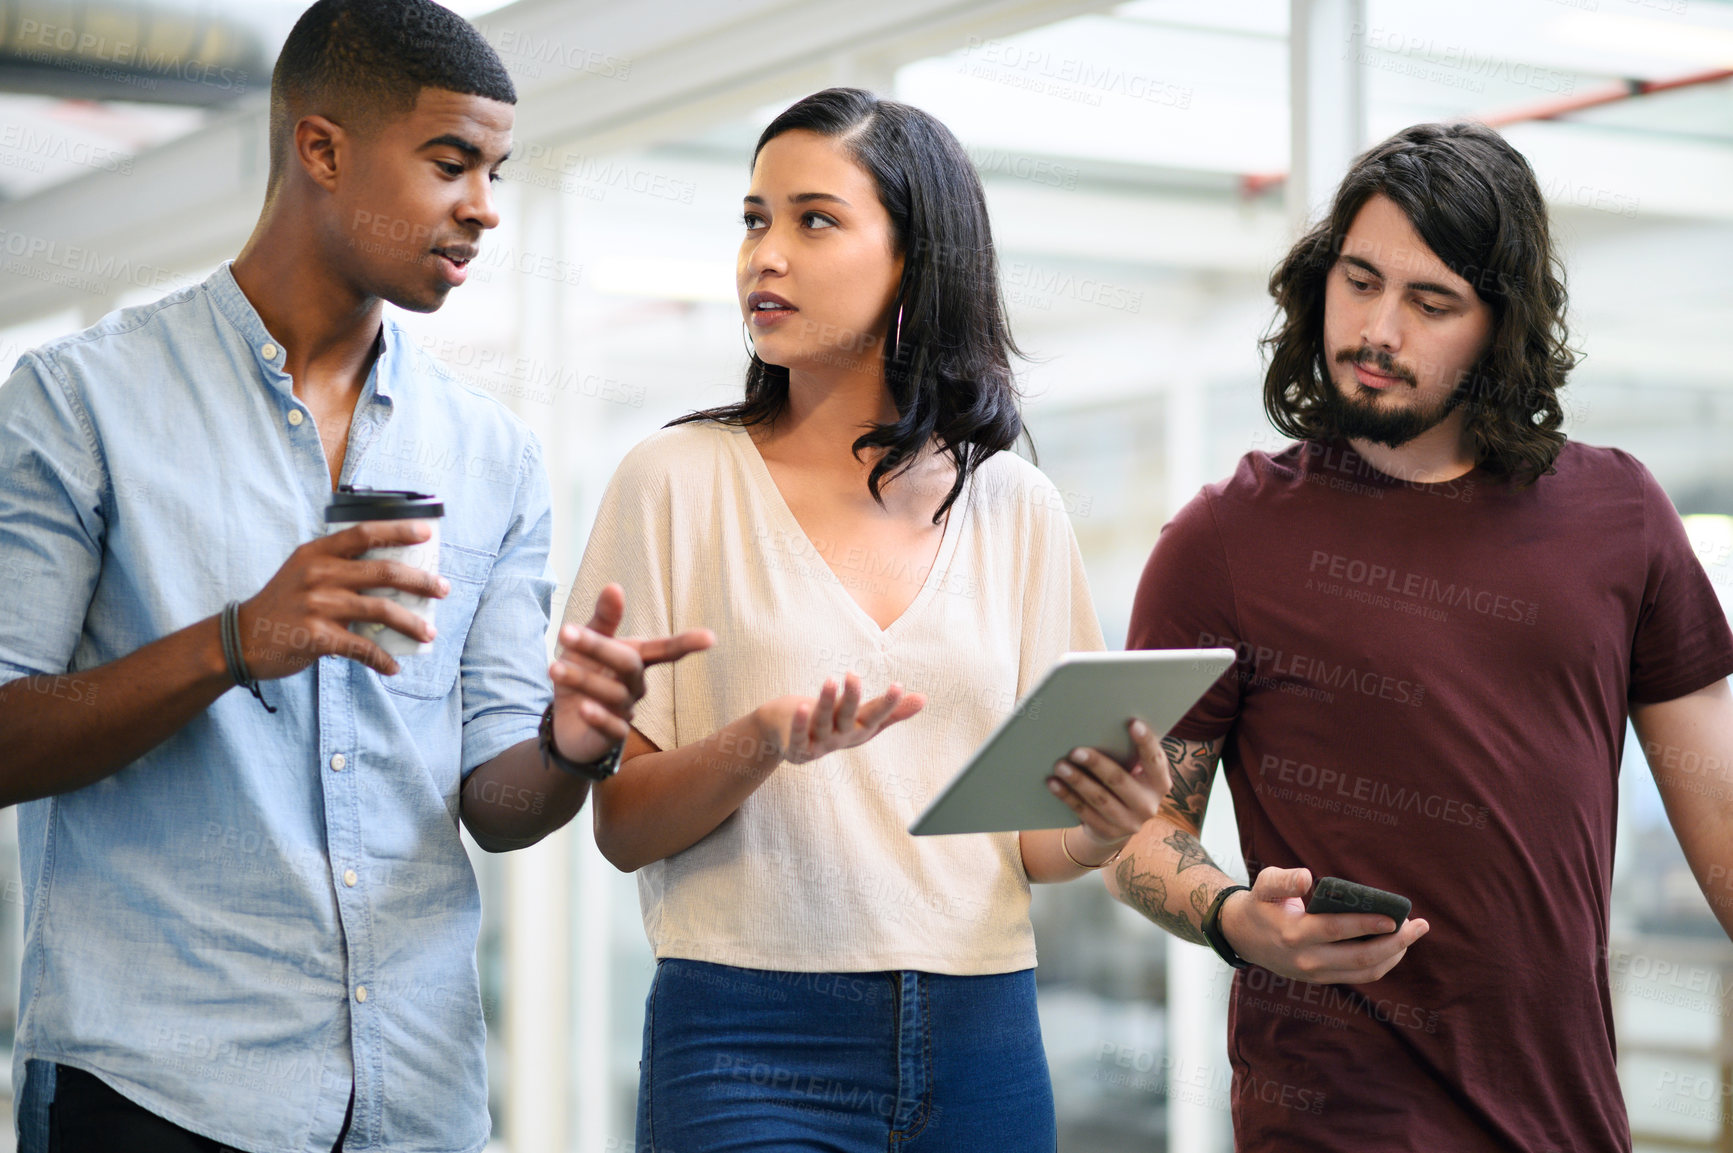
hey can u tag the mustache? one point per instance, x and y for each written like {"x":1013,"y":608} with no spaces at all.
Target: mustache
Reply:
{"x":1379,"y":362}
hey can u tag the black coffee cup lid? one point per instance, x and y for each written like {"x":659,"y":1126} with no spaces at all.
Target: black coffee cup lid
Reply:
{"x":349,"y":503}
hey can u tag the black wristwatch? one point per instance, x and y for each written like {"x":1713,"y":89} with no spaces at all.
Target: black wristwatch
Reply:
{"x":1212,"y":927}
{"x":599,"y":769}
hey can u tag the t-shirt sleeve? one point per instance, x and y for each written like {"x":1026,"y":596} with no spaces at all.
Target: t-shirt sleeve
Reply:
{"x":629,"y":546}
{"x":1185,"y":600}
{"x":1058,"y":612}
{"x":53,"y":488}
{"x":1682,"y":640}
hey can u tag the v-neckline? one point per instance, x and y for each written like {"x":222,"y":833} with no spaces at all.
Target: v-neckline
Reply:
{"x":779,"y":506}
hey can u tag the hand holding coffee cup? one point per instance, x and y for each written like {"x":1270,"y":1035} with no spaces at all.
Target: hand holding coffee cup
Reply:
{"x":307,"y":609}
{"x":351,"y":506}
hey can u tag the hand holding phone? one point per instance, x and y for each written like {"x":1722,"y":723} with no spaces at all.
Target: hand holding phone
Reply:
{"x":1273,"y":927}
{"x":1334,"y":895}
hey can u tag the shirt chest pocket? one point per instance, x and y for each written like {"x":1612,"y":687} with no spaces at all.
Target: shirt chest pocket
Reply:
{"x":430,"y":676}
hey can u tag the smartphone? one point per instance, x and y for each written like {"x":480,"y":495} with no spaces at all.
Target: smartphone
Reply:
{"x":1334,"y":895}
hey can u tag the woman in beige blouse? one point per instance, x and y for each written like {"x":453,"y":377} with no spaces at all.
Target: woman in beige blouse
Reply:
{"x":825,"y":980}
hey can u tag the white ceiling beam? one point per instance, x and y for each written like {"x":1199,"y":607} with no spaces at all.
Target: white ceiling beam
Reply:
{"x":591,"y":78}
{"x":725,"y":59}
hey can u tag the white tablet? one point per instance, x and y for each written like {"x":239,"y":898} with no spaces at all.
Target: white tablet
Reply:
{"x":1084,"y":701}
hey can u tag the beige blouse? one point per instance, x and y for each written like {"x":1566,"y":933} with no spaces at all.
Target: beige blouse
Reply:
{"x":816,"y":871}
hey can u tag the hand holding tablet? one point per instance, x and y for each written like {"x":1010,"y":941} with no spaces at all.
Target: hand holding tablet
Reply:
{"x":1112,"y":799}
{"x":1086,"y":701}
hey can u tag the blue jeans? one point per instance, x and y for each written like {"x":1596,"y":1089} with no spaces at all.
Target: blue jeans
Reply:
{"x":775,"y":1062}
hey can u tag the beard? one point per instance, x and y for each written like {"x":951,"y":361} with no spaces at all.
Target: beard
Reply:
{"x":1357,"y":418}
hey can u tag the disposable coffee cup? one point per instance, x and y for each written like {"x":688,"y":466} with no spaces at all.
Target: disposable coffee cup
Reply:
{"x":350,"y":506}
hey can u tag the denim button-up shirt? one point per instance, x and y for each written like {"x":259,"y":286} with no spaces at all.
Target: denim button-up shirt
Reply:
{"x":264,"y":909}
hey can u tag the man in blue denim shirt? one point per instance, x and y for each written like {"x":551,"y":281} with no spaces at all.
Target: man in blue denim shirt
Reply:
{"x":257,"y":929}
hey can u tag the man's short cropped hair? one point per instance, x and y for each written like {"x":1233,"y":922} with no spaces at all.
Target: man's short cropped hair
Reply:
{"x":356,"y":61}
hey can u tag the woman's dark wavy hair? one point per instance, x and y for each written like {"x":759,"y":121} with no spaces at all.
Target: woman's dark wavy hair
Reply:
{"x":949,"y":368}
{"x":1474,"y":201}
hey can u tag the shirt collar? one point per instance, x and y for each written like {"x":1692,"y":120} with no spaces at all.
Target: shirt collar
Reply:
{"x":269,"y":354}
{"x":239,"y":311}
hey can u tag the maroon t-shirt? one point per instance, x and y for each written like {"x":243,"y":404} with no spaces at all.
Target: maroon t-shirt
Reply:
{"x":1431,"y":698}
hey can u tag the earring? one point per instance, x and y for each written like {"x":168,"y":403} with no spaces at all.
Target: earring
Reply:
{"x":896,"y":334}
{"x":746,"y":338}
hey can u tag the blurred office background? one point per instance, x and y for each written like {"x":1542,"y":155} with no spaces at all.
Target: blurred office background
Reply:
{"x":1146,"y":164}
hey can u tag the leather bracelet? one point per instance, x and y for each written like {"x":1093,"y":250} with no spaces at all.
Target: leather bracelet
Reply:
{"x":1211,"y":927}
{"x":229,"y":629}
{"x":599,"y":769}
{"x":1066,"y":849}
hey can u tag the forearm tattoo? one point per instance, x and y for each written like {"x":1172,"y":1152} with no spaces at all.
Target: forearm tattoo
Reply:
{"x":1146,"y":892}
{"x":1146,"y":889}
{"x":1194,"y":771}
{"x":1191,"y":851}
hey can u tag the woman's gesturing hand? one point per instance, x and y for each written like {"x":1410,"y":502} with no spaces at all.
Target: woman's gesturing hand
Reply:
{"x":806,"y":728}
{"x":1112,"y":800}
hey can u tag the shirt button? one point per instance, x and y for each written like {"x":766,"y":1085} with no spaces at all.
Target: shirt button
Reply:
{"x":361,"y":992}
{"x":295,"y":417}
{"x":349,"y":877}
{"x":337,"y":763}
{"x":268,"y":351}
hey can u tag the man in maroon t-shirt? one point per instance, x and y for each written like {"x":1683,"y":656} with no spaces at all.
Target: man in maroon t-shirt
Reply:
{"x":1444,"y":614}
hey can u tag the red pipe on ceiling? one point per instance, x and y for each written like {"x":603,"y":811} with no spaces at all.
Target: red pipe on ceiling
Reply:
{"x":1254,"y":183}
